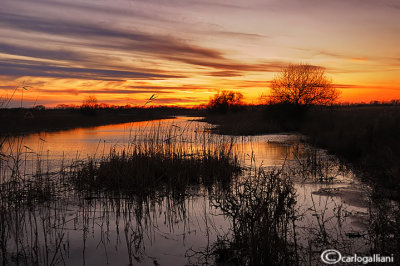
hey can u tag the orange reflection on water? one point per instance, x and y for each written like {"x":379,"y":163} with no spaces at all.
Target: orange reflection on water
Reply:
{"x":188,"y":134}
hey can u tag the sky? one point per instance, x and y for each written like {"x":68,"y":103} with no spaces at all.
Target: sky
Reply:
{"x":184,"y":51}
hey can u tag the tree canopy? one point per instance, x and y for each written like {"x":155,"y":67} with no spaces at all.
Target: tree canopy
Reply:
{"x":225,"y":101}
{"x":303,"y":84}
{"x":90,"y":102}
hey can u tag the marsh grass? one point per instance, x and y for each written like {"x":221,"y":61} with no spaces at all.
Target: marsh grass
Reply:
{"x":261,"y":208}
{"x":311,"y":164}
{"x":116,"y":197}
{"x":365,"y":136}
{"x":26,"y":176}
{"x":32,"y":235}
{"x":160,"y":168}
{"x":160,"y":161}
{"x":384,"y":226}
{"x":30,"y":214}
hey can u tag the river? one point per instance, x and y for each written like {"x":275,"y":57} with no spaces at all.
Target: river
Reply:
{"x":330,"y":202}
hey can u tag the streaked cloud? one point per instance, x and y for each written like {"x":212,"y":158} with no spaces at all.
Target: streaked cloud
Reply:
{"x":174,"y":47}
{"x":19,"y":68}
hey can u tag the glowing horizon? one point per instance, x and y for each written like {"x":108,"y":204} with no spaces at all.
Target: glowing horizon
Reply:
{"x":184,"y":51}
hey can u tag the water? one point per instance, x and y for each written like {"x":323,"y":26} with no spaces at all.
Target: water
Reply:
{"x":167,"y":231}
{"x":83,"y":142}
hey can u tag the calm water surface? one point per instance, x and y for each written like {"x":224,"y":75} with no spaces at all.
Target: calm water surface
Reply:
{"x":100,"y":232}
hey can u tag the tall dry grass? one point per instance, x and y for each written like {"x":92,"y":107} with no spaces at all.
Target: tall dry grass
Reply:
{"x":161,"y":160}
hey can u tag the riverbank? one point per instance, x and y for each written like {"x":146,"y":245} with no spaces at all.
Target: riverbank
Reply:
{"x":230,"y":200}
{"x":24,"y":121}
{"x":367,"y":136}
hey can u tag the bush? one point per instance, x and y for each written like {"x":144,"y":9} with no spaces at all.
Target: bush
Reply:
{"x":225,"y":101}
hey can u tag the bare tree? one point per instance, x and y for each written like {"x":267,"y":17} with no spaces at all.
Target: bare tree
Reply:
{"x":225,"y":100}
{"x":90,"y":102}
{"x":303,"y":84}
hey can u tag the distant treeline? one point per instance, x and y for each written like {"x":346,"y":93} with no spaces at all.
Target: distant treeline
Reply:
{"x":109,"y":106}
{"x":194,"y":108}
{"x":18,"y":121}
{"x":386,"y":103}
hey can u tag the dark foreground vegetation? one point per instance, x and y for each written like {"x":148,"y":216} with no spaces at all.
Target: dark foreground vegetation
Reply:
{"x":162,"y":162}
{"x":53,"y":216}
{"x":262,"y":209}
{"x":18,"y":121}
{"x":367,"y":136}
{"x":160,"y":166}
{"x":126,"y":187}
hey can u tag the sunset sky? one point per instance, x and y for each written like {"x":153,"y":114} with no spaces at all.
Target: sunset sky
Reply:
{"x":184,"y":51}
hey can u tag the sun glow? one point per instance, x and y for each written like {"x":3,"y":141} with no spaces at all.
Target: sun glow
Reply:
{"x":185,"y":54}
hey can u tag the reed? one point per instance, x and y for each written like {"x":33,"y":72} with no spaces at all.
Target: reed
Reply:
{"x":118,"y":200}
{"x":311,"y":164}
{"x":261,"y":208}
{"x":161,"y":161}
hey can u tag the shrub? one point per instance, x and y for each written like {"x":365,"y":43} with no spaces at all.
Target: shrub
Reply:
{"x":225,"y":101}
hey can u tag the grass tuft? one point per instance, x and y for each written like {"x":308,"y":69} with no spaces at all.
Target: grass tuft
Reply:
{"x":163,"y":162}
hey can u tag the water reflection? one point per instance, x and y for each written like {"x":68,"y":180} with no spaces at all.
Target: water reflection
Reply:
{"x":81,"y":143}
{"x":72,"y":227}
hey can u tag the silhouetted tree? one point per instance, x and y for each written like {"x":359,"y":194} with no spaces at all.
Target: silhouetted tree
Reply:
{"x":39,"y":107}
{"x":224,"y":101}
{"x":303,"y":84}
{"x":90,"y":102}
{"x":89,"y":105}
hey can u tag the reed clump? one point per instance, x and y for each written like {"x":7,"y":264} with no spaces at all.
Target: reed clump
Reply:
{"x":261,"y":207}
{"x":384,"y":225}
{"x":310,"y":164}
{"x":31,"y":214}
{"x":160,"y":161}
{"x":25,"y":179}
